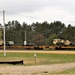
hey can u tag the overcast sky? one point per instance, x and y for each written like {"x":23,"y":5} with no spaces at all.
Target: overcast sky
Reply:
{"x":30,"y":11}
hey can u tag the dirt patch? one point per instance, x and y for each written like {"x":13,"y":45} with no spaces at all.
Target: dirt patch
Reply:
{"x":34,"y":70}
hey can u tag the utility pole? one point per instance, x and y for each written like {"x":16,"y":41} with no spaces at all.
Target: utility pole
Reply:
{"x":4,"y":32}
{"x":25,"y":42}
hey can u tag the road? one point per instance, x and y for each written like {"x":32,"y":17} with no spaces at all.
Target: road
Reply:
{"x":40,"y":51}
{"x":36,"y":70}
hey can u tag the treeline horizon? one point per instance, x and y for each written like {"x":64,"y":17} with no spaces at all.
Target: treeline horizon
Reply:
{"x":37,"y":33}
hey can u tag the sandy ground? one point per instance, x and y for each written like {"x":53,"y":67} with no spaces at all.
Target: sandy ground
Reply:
{"x":40,"y":51}
{"x":34,"y":70}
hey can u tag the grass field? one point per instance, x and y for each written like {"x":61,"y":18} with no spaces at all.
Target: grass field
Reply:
{"x":41,"y":58}
{"x":65,"y":72}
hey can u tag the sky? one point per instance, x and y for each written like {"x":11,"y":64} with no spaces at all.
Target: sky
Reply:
{"x":30,"y":11}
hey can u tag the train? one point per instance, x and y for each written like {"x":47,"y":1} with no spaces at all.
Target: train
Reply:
{"x":10,"y":45}
{"x":58,"y":44}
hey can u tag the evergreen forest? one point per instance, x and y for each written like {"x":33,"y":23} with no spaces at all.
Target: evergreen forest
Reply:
{"x":37,"y":33}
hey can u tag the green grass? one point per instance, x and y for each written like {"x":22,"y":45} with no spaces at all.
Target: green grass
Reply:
{"x":65,"y":72}
{"x":40,"y":58}
{"x":69,"y":71}
{"x":28,"y":59}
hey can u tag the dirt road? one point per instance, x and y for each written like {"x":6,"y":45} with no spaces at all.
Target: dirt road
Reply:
{"x":34,"y":70}
{"x":37,"y":51}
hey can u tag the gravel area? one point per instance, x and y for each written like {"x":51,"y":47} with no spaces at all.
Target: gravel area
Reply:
{"x":34,"y":70}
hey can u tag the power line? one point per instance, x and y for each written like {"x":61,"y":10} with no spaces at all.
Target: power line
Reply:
{"x":40,"y":18}
{"x":29,"y":16}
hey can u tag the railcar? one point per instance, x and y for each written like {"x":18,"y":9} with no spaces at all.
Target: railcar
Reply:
{"x":61,"y":44}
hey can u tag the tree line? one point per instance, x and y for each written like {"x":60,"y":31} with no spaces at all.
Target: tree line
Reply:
{"x":37,"y":33}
